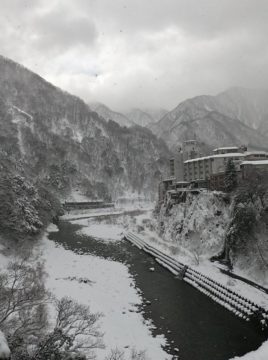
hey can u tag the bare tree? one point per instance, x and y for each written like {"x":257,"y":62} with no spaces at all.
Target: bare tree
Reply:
{"x":23,"y":318}
{"x":22,"y":299}
{"x":76,"y":332}
{"x":117,"y":354}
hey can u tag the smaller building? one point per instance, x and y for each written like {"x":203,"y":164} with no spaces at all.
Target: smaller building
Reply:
{"x":226,"y":150}
{"x":230,"y":149}
{"x":253,"y":169}
{"x":256,"y":155}
{"x":164,"y":187}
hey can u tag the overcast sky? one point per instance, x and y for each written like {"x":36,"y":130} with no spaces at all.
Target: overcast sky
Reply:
{"x":139,"y":53}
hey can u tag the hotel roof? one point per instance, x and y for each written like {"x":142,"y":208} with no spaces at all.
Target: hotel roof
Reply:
{"x":256,"y":162}
{"x":216,"y":156}
{"x":227,"y":148}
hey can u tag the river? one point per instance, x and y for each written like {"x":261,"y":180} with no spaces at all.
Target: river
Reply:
{"x":196,"y":328}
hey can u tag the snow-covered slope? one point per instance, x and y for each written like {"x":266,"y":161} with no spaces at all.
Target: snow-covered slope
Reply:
{"x":156,"y":113}
{"x":60,"y":140}
{"x":140,"y":117}
{"x":146,"y":117}
{"x":108,"y":114}
{"x":248,"y":105}
{"x":237,"y":116}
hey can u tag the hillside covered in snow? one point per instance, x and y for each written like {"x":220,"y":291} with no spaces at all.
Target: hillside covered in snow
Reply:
{"x":236,"y":116}
{"x":60,"y":140}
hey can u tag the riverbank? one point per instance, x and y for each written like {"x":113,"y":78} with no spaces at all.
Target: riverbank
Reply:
{"x":143,"y":227}
{"x":107,"y":287}
{"x":96,"y":280}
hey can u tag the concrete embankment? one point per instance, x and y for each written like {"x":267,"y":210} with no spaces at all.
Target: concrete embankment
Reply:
{"x":239,"y":305}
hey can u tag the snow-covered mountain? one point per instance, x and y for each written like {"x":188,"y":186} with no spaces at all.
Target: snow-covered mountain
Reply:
{"x":236,"y":116}
{"x":59,"y":139}
{"x":139,"y":117}
{"x":156,"y":113}
{"x":248,"y":105}
{"x":131,"y":118}
{"x":145,"y":117}
{"x":108,"y":114}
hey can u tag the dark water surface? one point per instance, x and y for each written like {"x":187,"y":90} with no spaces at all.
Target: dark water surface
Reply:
{"x":200,"y":328}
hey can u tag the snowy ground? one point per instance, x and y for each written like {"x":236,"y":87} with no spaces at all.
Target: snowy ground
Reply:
{"x":105,"y":232}
{"x":111,"y":292}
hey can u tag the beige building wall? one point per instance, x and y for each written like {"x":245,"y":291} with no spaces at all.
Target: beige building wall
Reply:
{"x":202,"y":168}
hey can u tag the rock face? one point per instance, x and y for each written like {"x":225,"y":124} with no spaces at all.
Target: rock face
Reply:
{"x":62,"y":142}
{"x":236,"y":116}
{"x":197,"y":225}
{"x":209,"y":224}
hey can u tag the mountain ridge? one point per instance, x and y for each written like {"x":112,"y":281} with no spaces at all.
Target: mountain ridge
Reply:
{"x":206,"y":108}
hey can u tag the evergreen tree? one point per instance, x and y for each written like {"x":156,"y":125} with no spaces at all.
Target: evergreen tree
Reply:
{"x":230,"y":178}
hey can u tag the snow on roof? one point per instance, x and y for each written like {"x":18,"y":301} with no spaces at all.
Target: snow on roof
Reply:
{"x":226,"y":148}
{"x":216,"y":156}
{"x":256,"y":153}
{"x":256,"y":162}
{"x":228,"y":155}
{"x":4,"y":349}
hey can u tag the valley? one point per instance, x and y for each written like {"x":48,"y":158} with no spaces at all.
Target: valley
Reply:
{"x":59,"y":155}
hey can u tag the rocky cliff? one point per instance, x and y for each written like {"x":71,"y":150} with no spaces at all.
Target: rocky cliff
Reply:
{"x":232,"y":229}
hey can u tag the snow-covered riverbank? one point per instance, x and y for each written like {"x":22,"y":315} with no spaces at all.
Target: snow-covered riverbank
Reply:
{"x":110,"y":290}
{"x":140,"y":225}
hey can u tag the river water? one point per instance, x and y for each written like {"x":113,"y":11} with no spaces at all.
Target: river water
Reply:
{"x":191,"y":322}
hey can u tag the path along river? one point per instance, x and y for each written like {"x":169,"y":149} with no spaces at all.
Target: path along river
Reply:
{"x":191,"y":322}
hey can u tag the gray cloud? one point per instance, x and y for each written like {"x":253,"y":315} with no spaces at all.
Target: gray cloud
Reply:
{"x":60,"y":29}
{"x":130,"y":53}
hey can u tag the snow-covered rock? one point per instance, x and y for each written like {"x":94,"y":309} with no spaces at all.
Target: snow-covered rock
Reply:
{"x":198,"y":225}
